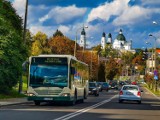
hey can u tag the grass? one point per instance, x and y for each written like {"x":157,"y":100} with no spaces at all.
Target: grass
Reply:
{"x":152,"y":90}
{"x":14,"y":93}
{"x":11,"y":94}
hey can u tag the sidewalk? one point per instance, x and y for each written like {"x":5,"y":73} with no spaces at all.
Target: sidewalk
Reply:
{"x":12,"y":101}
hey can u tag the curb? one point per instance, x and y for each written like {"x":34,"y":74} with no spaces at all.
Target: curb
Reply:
{"x":152,"y":93}
{"x":11,"y":104}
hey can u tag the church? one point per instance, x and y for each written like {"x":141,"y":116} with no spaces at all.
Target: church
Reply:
{"x":120,"y":42}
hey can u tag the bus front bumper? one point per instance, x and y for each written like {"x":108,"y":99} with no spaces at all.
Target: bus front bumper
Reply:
{"x":51,"y":99}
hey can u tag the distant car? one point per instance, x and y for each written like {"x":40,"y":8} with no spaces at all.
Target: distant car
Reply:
{"x":121,"y":83}
{"x":130,"y":93}
{"x":93,"y":88}
{"x":100,"y":85}
{"x":113,"y":85}
{"x":105,"y":86}
{"x":134,"y":83}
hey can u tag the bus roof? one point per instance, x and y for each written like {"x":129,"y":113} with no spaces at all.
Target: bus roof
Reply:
{"x":58,"y":55}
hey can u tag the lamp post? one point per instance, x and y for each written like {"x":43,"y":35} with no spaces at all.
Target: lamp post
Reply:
{"x":75,"y":46}
{"x":24,"y":39}
{"x":154,"y":60}
{"x":154,"y":49}
{"x":151,"y":56}
{"x":25,"y":22}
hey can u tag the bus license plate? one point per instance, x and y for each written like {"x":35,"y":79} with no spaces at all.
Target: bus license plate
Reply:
{"x":48,"y":99}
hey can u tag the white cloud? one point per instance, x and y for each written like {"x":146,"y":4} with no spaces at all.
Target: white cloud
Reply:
{"x":106,"y":10}
{"x":62,"y":14}
{"x":125,"y":14}
{"x":19,"y":5}
{"x":132,"y":15}
{"x":49,"y":30}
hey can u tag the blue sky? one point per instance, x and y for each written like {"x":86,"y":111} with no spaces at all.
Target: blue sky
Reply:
{"x":134,"y":17}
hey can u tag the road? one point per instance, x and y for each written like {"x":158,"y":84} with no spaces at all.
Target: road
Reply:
{"x":104,"y":107}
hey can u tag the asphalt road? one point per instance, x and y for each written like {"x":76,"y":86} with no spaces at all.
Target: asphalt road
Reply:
{"x":103,"y":107}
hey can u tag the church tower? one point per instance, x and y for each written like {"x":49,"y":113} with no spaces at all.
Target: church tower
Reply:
{"x":109,"y":41}
{"x":83,"y":39}
{"x":103,"y":40}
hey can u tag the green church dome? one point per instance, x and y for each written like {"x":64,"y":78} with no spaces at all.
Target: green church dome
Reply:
{"x":120,"y":36}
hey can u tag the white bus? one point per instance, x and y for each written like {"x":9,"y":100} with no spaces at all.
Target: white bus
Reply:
{"x":55,"y":78}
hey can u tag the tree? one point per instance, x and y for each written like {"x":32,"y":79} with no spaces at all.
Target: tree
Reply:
{"x":40,"y":44}
{"x":58,"y":33}
{"x":101,"y":73}
{"x":12,"y":49}
{"x":61,"y":45}
{"x":112,"y":68}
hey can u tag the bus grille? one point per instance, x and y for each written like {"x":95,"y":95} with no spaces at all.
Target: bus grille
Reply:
{"x":48,"y":92}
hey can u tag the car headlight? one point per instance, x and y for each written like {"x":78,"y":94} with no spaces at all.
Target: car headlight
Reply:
{"x":66,"y":94}
{"x":94,"y":89}
{"x":31,"y":94}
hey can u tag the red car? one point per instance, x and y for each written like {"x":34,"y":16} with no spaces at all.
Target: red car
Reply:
{"x":134,"y":83}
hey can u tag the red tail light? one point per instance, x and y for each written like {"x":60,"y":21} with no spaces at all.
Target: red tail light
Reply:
{"x":139,"y":93}
{"x":120,"y":93}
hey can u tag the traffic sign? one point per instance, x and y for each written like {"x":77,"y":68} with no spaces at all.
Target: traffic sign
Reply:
{"x":155,"y":72}
{"x":156,"y":77}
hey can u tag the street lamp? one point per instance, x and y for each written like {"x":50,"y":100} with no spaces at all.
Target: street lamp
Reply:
{"x":75,"y":46}
{"x":154,"y":22}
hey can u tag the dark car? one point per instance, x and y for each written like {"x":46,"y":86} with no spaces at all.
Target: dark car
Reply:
{"x":93,"y":88}
{"x":100,"y":85}
{"x":113,"y":85}
{"x":105,"y":86}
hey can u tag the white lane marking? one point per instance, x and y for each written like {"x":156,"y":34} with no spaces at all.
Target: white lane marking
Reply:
{"x":153,"y":94}
{"x":71,"y":115}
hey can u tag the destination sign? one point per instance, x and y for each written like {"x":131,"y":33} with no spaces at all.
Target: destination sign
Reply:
{"x":48,"y":60}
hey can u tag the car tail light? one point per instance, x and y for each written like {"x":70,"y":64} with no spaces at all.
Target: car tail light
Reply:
{"x":139,"y":93}
{"x":120,"y":93}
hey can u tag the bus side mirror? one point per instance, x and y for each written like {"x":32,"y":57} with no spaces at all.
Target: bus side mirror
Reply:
{"x":73,"y":71}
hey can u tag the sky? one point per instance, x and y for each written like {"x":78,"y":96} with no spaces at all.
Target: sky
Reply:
{"x":134,"y":17}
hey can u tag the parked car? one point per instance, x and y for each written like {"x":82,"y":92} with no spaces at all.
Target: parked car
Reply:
{"x":93,"y":88}
{"x":130,"y":93}
{"x":105,"y":86}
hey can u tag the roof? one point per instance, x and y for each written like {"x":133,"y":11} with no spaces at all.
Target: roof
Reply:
{"x":83,"y":32}
{"x":103,"y":34}
{"x":120,"y":36}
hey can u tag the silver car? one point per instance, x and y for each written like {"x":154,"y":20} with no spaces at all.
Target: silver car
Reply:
{"x":130,"y":93}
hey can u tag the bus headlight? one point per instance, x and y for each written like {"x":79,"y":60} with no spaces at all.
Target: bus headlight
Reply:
{"x":65,"y":94}
{"x":31,"y":94}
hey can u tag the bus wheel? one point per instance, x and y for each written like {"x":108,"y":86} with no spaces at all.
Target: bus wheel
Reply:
{"x":75,"y":99}
{"x":37,"y":102}
{"x":85,"y":96}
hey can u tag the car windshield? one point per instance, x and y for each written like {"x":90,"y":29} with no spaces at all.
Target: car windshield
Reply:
{"x":105,"y":84}
{"x":92,"y":84}
{"x":130,"y":88}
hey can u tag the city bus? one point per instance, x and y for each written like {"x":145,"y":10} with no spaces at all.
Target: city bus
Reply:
{"x":57,"y":78}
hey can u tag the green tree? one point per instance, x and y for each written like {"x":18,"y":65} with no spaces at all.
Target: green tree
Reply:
{"x":12,"y":49}
{"x":40,"y":44}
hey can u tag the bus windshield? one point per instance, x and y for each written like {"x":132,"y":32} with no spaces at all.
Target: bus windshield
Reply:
{"x":48,"y":75}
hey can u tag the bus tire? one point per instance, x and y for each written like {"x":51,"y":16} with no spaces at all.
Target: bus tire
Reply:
{"x":37,"y":102}
{"x":85,"y":95}
{"x":73,"y":102}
